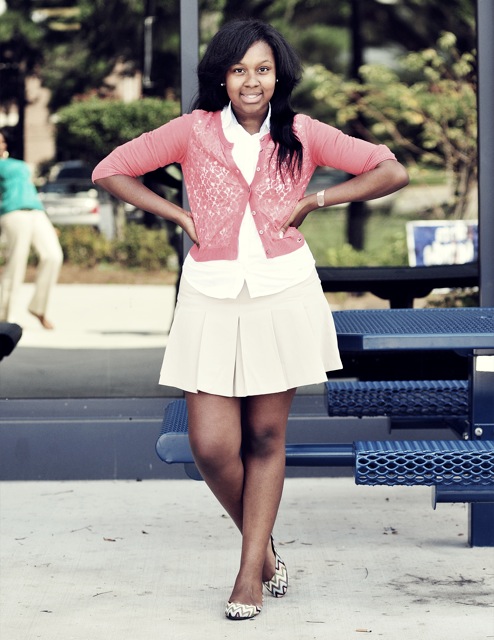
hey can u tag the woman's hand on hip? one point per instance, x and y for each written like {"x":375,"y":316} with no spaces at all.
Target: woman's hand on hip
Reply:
{"x":188,"y":226}
{"x":301,"y":211}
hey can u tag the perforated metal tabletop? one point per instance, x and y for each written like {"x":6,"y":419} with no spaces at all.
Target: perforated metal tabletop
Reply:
{"x":386,"y":329}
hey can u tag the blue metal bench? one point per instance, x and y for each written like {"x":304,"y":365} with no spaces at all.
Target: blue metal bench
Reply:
{"x":405,"y":402}
{"x":465,"y":466}
{"x":10,"y":334}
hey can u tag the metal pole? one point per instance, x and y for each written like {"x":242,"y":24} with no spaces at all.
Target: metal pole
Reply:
{"x":147,"y":63}
{"x":189,"y":57}
{"x":189,"y":51}
{"x":485,"y":48}
{"x":481,"y":516}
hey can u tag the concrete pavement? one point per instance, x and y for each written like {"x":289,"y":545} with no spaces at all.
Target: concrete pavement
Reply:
{"x":157,"y":559}
{"x":99,"y":317}
{"x":108,"y":341}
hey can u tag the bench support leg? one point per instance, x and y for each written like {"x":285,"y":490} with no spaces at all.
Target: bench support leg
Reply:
{"x":481,"y":516}
{"x":481,"y":525}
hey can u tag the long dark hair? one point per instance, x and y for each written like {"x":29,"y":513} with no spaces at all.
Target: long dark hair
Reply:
{"x":228,"y":47}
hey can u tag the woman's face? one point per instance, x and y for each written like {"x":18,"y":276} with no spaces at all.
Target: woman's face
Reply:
{"x":250,"y":83}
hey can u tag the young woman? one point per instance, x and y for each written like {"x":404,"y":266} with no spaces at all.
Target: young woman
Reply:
{"x":252,"y":323}
{"x":24,"y":223}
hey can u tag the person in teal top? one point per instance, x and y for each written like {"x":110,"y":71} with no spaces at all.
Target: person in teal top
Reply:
{"x":24,"y":223}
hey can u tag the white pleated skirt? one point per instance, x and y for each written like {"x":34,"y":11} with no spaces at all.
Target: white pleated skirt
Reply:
{"x":250,"y":346}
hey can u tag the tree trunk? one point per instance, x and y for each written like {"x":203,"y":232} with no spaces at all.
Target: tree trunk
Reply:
{"x":357,"y":216}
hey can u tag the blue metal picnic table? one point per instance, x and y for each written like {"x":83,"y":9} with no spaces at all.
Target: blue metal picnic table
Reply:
{"x":466,"y":330}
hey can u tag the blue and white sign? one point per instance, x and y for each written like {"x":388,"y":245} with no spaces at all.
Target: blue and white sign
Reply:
{"x":433,"y":242}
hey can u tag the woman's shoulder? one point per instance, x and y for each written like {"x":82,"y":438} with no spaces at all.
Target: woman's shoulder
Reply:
{"x":205,"y":117}
{"x":303,"y":124}
{"x":313,"y":130}
{"x":201,"y":114}
{"x":13,"y":164}
{"x":302,"y":120}
{"x":197,"y":118}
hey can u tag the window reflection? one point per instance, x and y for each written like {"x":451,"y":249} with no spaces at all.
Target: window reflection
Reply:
{"x":109,"y":338}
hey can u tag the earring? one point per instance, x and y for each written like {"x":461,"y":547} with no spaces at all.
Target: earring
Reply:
{"x":222,"y":84}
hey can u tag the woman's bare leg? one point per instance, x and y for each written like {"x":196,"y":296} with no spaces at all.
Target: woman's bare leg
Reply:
{"x":215,"y":436}
{"x":249,"y":483}
{"x":264,"y":428}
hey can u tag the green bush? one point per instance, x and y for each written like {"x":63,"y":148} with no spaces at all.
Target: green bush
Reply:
{"x":84,"y":246}
{"x":385,"y":240}
{"x":144,"y":248}
{"x":140,"y":248}
{"x":391,"y":253}
{"x":90,"y":130}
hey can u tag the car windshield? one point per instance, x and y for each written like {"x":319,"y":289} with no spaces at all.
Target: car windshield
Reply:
{"x":67,"y":187}
{"x":74,"y":170}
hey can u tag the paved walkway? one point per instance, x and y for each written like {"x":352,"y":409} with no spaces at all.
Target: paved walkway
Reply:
{"x":155,"y":560}
{"x":100,"y":317}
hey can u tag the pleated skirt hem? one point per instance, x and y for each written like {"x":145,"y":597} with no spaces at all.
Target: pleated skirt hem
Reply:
{"x":250,"y":346}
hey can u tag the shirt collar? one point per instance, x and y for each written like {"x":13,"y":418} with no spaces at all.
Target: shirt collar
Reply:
{"x":228,"y":120}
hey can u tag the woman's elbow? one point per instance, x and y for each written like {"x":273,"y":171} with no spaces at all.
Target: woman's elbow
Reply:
{"x":400,"y":176}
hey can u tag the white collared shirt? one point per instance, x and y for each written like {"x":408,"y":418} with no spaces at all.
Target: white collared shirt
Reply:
{"x":263,"y":276}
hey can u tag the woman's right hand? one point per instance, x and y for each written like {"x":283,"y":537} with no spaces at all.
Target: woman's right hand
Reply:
{"x":188,"y":226}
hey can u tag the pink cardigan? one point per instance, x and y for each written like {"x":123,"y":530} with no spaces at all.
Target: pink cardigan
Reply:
{"x":218,"y":193}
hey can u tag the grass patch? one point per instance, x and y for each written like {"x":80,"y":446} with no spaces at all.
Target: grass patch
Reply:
{"x":385,"y":239}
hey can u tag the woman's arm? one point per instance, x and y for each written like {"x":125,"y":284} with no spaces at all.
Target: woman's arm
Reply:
{"x":387,"y":177}
{"x":131,"y":190}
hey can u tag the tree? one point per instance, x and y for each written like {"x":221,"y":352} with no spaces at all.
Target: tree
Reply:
{"x":20,"y":53}
{"x":426,"y":114}
{"x":89,"y":130}
{"x":80,"y":59}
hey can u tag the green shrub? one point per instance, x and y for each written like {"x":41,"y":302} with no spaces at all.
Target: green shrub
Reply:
{"x":141,"y":248}
{"x":90,"y":130}
{"x":393,"y":252}
{"x":84,"y":246}
{"x":144,"y":248}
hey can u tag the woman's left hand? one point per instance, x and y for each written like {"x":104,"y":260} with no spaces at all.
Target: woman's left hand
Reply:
{"x":301,"y":211}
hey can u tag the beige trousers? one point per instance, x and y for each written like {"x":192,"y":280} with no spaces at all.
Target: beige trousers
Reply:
{"x":23,"y":229}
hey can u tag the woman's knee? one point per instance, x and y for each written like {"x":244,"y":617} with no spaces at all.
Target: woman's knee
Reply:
{"x":211,"y":453}
{"x":264,"y":439}
{"x":264,"y":421}
{"x":52,"y":257}
{"x":214,"y":429}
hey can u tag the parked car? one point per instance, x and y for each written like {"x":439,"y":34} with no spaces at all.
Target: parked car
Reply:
{"x":71,"y":170}
{"x":70,"y":197}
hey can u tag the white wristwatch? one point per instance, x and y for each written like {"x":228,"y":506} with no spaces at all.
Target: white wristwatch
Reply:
{"x":320,"y":198}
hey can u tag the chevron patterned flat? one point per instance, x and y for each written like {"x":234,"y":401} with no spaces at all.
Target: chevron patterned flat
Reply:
{"x":237,"y":611}
{"x":278,"y":584}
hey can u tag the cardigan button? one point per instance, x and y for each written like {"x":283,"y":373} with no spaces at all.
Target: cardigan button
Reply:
{"x":254,"y":213}
{"x":261,"y":232}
